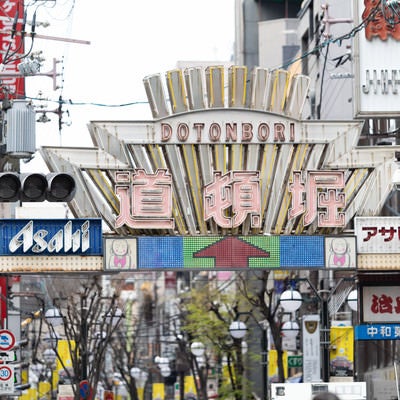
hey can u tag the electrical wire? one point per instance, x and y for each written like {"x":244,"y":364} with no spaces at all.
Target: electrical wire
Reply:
{"x":73,"y":103}
{"x":338,"y":40}
{"x":306,"y":54}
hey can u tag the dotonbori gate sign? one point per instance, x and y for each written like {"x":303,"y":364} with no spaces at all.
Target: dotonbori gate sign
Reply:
{"x":146,"y":201}
{"x":211,"y":165}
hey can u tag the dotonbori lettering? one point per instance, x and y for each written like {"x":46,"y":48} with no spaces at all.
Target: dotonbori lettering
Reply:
{"x":243,"y":132}
{"x":38,"y":241}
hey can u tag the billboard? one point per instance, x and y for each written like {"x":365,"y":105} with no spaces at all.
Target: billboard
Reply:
{"x":377,"y":234}
{"x":50,"y":237}
{"x":12,"y":47}
{"x":229,"y":252}
{"x":44,"y":245}
{"x":377,"y":81}
{"x":380,"y":304}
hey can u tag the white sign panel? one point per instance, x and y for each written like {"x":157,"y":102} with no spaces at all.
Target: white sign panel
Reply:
{"x":381,"y":304}
{"x":6,"y":379}
{"x":377,"y":234}
{"x":311,"y":349}
{"x":377,"y":83}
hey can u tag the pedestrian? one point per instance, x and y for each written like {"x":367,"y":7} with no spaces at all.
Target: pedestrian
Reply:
{"x":326,"y":396}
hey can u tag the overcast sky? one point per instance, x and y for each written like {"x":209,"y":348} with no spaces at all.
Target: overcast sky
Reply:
{"x":129,"y":39}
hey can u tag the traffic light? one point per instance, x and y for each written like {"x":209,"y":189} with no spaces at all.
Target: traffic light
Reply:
{"x":36,"y":187}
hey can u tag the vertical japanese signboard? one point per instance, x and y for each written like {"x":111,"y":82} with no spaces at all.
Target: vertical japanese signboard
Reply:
{"x":311,"y":349}
{"x":377,"y":80}
{"x":342,"y":351}
{"x":12,"y":47}
{"x":3,"y":300}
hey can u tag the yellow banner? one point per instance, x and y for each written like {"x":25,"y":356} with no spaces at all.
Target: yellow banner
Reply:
{"x":342,"y":351}
{"x":190,"y":388}
{"x":158,"y":391}
{"x":64,"y":354}
{"x":273,"y":365}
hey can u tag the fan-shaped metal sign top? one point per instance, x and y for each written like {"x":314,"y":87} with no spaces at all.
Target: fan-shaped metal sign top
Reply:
{"x":239,"y":161}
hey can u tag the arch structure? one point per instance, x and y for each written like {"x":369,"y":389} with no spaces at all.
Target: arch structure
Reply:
{"x":227,"y":153}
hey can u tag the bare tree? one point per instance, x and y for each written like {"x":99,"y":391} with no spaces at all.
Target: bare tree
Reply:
{"x":124,"y":348}
{"x":89,"y":321}
{"x":262,"y":299}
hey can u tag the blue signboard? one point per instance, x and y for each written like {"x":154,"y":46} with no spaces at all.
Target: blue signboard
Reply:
{"x":377,"y":332}
{"x":229,"y":252}
{"x":50,"y":237}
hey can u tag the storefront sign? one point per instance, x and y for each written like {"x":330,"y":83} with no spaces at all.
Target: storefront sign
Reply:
{"x":377,"y":82}
{"x":12,"y":49}
{"x":377,"y":332}
{"x":377,"y":234}
{"x":380,"y":304}
{"x":50,"y":237}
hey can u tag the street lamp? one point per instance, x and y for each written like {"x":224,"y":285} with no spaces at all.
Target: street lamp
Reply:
{"x":198,"y":350}
{"x":352,"y":300}
{"x":290,"y":329}
{"x":53,"y":317}
{"x":291,"y":301}
{"x":238,"y":330}
{"x":49,"y":357}
{"x":163,"y":364}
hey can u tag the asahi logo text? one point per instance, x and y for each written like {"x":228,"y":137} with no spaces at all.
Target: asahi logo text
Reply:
{"x":38,"y":241}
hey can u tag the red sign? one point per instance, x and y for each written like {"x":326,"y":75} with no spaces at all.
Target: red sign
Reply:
{"x":6,"y":373}
{"x":381,"y":304}
{"x":385,"y":21}
{"x":3,"y":300}
{"x":108,"y":395}
{"x":12,"y":47}
{"x":85,"y":391}
{"x":7,"y":340}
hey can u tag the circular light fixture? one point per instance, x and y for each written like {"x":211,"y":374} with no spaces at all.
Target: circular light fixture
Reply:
{"x":114,"y":317}
{"x":165,"y":371}
{"x":135,"y":372}
{"x":197,"y":349}
{"x":290,"y":329}
{"x":352,"y":300}
{"x":53,"y":317}
{"x":49,"y":356}
{"x":291,"y":300}
{"x":238,"y":329}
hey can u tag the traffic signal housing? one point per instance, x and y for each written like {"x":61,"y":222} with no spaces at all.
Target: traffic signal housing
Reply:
{"x":36,"y":187}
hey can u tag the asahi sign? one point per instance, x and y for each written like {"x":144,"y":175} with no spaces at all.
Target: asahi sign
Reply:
{"x":51,"y":237}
